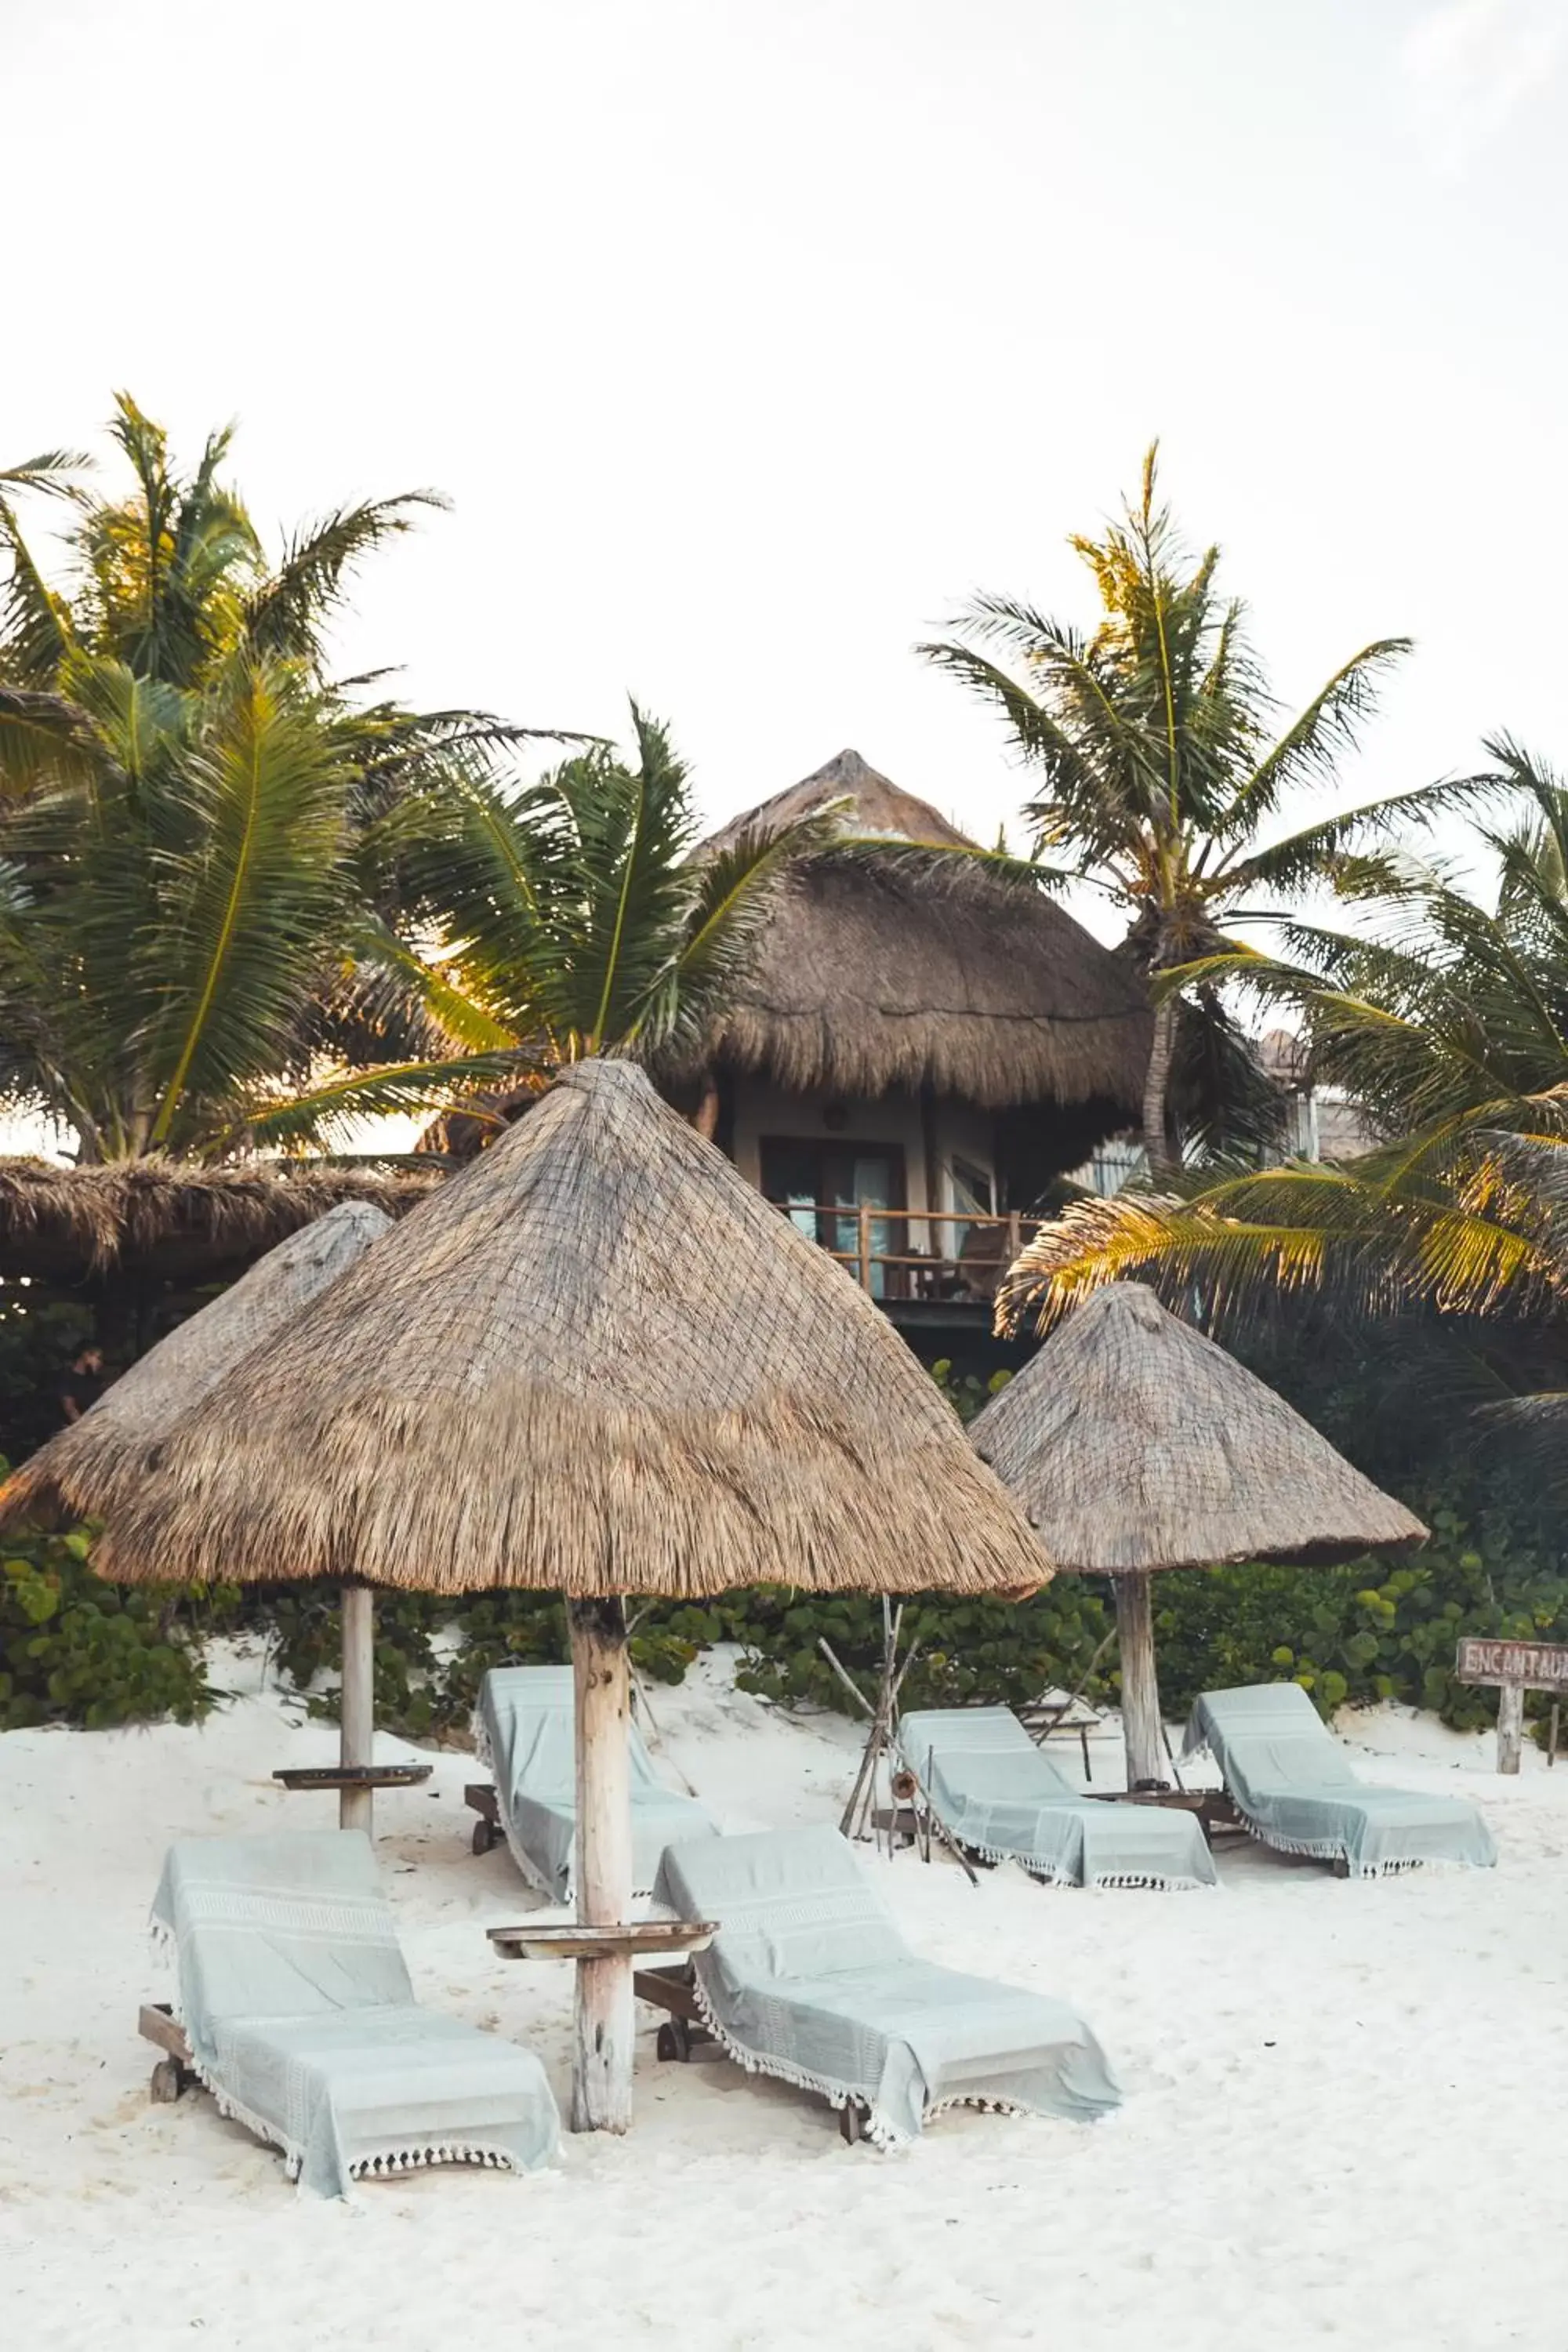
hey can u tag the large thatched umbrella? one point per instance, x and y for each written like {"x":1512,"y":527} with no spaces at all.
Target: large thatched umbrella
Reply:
{"x":87,"y":1471}
{"x":595,"y":1361}
{"x":1134,"y":1444}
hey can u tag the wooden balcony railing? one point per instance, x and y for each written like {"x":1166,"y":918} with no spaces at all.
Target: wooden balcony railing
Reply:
{"x":910,"y":1254}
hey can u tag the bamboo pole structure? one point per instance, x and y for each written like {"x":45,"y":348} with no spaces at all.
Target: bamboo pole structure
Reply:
{"x":356,"y":1703}
{"x":603,"y":2016}
{"x":1141,"y":1724}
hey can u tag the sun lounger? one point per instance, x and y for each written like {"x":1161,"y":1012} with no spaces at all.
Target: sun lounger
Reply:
{"x":808,"y":1979}
{"x":998,"y":1797}
{"x":525,"y":1733}
{"x":1292,"y":1784}
{"x":299,"y":2016}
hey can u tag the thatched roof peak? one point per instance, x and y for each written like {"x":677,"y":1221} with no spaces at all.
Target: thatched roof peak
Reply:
{"x":875,"y":975}
{"x":597,"y":1361}
{"x":85,"y":1470}
{"x":876,"y":805}
{"x":1134,"y":1443}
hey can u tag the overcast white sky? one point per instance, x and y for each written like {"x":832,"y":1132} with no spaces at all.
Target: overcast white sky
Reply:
{"x":749,"y":338}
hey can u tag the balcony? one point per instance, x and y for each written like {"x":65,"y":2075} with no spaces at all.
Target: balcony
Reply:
{"x":921,"y":1268}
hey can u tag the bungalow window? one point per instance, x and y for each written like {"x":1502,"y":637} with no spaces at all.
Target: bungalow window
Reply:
{"x":812,"y":1181}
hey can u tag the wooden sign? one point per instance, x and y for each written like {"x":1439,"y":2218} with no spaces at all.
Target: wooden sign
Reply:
{"x":1514,"y":1667}
{"x":1534,"y":1665}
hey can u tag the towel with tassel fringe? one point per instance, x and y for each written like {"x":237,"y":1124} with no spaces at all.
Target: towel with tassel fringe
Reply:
{"x":300,"y":2016}
{"x":808,"y":1980}
{"x":1293,"y":1786}
{"x":1000,"y":1797}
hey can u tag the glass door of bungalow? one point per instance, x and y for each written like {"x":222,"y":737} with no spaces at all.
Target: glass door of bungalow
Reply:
{"x":823,"y":1187}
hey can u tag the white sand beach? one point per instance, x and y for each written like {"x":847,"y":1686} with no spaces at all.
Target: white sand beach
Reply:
{"x":1343,"y":2117}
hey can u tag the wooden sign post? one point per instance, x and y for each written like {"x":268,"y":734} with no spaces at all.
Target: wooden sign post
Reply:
{"x":1513,"y":1668}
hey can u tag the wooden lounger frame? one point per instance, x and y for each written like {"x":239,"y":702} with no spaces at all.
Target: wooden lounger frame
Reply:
{"x":674,"y":1989}
{"x":481,"y":1798}
{"x":175,"y":2071}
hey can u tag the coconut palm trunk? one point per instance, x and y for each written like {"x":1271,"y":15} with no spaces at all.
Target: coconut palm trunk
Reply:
{"x":1156,"y":1092}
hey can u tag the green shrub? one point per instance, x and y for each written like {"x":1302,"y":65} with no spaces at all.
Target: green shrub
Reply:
{"x":76,"y":1650}
{"x":1369,"y":1630}
{"x":971,"y":1651}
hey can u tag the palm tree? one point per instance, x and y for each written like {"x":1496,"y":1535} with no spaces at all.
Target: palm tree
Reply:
{"x":1446,"y":1020}
{"x":199,"y":942}
{"x":580,"y":917}
{"x":1161,"y":761}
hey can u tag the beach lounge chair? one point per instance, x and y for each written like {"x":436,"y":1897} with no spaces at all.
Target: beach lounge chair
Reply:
{"x":808,"y":1979}
{"x":523,"y":1731}
{"x":1292,"y":1784}
{"x":297,"y":2012}
{"x":998,"y":1797}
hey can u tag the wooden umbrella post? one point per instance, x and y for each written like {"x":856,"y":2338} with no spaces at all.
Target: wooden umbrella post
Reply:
{"x":1141,"y":1723}
{"x":356,"y":1702}
{"x":602,"y":2054}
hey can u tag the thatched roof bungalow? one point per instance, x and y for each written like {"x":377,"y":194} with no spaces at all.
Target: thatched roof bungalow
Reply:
{"x":145,"y":1224}
{"x":934,"y":1043}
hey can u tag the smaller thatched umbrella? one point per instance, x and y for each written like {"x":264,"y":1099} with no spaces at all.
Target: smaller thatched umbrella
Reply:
{"x":1134,"y":1444}
{"x":599,"y":1362}
{"x":89,"y":1470}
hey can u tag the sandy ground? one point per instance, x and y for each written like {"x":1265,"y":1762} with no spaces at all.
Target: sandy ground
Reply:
{"x":1344,"y":2125}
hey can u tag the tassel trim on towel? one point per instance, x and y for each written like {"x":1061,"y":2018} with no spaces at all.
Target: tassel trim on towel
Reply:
{"x":1053,"y":1874}
{"x":381,"y":2166}
{"x":882,"y":2134}
{"x":1336,"y":1850}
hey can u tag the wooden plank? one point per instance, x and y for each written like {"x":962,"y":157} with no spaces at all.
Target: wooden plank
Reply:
{"x":669,"y":1989}
{"x":481,"y":1798}
{"x":604,"y":2024}
{"x":156,"y":2022}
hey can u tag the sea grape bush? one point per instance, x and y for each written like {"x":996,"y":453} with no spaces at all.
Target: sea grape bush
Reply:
{"x":76,"y":1650}
{"x":1369,"y":1630}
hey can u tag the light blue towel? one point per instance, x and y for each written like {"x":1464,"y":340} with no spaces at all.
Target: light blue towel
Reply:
{"x":302,"y":2022}
{"x":808,"y":1979}
{"x":995,"y":1792}
{"x":524,"y":1732}
{"x":1292,"y":1784}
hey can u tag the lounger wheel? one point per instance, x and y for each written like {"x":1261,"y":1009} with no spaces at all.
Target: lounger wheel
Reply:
{"x":674,"y":2039}
{"x":484,"y":1835}
{"x":851,"y":2123}
{"x":168,"y":2080}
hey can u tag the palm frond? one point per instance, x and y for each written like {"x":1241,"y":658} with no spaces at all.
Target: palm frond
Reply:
{"x":336,"y":1109}
{"x":286,"y":615}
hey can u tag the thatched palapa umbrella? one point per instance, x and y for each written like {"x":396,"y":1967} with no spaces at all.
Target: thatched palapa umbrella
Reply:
{"x":597,"y":1361}
{"x":1134,"y":1444}
{"x":89,"y":1470}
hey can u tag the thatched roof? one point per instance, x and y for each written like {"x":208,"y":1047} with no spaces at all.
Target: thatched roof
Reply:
{"x":158,"y":1220}
{"x":595,"y":1361}
{"x":1134,"y":1443}
{"x":84,"y":1471}
{"x":874,"y":975}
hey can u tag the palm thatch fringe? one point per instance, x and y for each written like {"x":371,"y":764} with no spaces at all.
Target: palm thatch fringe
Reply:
{"x":597,"y":1361}
{"x":1133,"y":1443}
{"x":875,"y":975}
{"x":166,"y":1220}
{"x":85,"y":1471}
